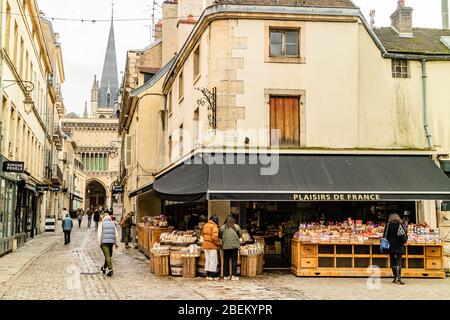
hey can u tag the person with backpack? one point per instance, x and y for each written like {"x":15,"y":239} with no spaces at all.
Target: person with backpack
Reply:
{"x":126,"y":223}
{"x":230,"y":233}
{"x":397,"y":236}
{"x":211,"y":244}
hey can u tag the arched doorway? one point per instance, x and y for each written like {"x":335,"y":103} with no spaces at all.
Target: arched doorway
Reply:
{"x":95,"y":195}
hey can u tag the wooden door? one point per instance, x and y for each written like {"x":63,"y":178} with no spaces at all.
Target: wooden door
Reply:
{"x":285,"y":116}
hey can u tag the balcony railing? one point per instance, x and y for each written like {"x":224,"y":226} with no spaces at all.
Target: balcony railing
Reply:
{"x":57,"y":175}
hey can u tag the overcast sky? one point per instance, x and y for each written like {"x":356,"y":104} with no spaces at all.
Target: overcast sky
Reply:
{"x":84,"y":43}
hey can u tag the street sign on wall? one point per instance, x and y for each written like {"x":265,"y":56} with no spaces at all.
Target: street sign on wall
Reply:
{"x":14,"y":166}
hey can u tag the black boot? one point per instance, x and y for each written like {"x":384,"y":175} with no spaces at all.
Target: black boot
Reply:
{"x":394,"y":272}
{"x":399,"y":275}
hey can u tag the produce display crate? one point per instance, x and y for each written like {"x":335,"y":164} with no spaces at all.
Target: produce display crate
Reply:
{"x":176,"y":261}
{"x":249,"y":266}
{"x":259,"y":263}
{"x":201,"y":265}
{"x":189,"y":267}
{"x":151,"y":263}
{"x":338,"y":259}
{"x":161,"y":264}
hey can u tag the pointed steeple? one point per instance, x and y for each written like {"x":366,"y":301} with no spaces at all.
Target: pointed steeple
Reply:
{"x":85,"y":114}
{"x":109,"y":73}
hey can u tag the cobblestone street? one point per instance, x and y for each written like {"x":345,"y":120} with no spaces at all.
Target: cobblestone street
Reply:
{"x":47,"y":269}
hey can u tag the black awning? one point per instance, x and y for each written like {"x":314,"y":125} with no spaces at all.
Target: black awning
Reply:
{"x":144,"y":189}
{"x":187,"y":182}
{"x":293,"y":177}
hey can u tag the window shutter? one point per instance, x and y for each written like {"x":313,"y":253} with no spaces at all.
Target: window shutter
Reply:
{"x":128,"y":152}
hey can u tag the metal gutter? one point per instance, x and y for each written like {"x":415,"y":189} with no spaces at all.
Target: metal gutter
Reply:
{"x":426,"y":126}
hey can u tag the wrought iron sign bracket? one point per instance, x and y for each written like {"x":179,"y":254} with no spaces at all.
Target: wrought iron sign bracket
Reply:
{"x":209,"y":99}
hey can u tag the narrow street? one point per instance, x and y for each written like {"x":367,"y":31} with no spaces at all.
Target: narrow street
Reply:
{"x":47,"y":269}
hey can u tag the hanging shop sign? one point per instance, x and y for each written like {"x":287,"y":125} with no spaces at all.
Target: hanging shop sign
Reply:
{"x":117,"y":189}
{"x":55,"y":189}
{"x":14,"y":166}
{"x":42,"y":187}
{"x":336,"y":197}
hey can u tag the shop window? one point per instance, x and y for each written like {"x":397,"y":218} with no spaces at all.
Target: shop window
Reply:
{"x":400,"y":68}
{"x":197,"y":63}
{"x":284,"y":121}
{"x":16,"y":36}
{"x":284,"y":43}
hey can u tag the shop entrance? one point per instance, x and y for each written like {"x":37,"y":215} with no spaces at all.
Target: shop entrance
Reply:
{"x":95,"y":195}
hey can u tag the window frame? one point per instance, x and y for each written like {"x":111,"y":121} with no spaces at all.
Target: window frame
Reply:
{"x":283,"y":32}
{"x":300,"y":27}
{"x":196,"y":64}
{"x":181,"y":86}
{"x":403,"y":64}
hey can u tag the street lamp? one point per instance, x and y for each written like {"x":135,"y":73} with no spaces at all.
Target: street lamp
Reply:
{"x":28,"y":103}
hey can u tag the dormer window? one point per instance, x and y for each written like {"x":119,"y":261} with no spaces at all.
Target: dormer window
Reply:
{"x":400,"y":68}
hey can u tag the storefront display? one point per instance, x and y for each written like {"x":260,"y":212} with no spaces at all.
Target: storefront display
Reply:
{"x":353,"y":249}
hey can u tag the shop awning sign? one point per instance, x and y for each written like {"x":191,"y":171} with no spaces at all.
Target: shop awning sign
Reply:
{"x":117,"y":189}
{"x":336,"y":197}
{"x":14,"y":166}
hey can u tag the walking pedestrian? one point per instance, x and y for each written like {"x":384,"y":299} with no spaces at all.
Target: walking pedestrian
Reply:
{"x":96,"y":218}
{"x":89,"y":214}
{"x":126,"y":224}
{"x":211,"y":244}
{"x":230,"y":233}
{"x":79,"y":217}
{"x":67,"y":225}
{"x":397,"y":236}
{"x":107,"y":238}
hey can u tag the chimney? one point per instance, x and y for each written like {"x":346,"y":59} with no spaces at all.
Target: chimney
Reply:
{"x":401,"y":20}
{"x":158,"y":30}
{"x":372,"y":19}
{"x":445,"y":14}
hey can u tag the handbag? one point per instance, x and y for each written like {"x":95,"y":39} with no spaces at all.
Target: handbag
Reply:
{"x":384,"y":243}
{"x":401,"y":231}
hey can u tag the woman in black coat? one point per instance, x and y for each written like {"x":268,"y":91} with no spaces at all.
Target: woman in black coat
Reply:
{"x":397,"y":240}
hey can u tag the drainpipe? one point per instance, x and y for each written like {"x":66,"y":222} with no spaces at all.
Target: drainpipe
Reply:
{"x":425,"y":104}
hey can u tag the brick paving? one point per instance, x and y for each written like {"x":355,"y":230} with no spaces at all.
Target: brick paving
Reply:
{"x":47,"y":269}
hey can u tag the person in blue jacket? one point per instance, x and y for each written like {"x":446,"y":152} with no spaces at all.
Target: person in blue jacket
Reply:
{"x":67,"y":225}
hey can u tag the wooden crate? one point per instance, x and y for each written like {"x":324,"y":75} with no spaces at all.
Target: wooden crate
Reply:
{"x":151,"y":263}
{"x":161,"y":265}
{"x":189,"y":267}
{"x":201,"y":264}
{"x":334,"y":259}
{"x":145,"y":239}
{"x":259,"y":263}
{"x":176,"y":261}
{"x":249,"y":266}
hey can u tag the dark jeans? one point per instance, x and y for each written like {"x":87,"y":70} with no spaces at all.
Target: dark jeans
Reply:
{"x":66,"y":236}
{"x":212,"y":274}
{"x":79,"y":223}
{"x":89,"y":221}
{"x":396,"y":259}
{"x":96,"y":224}
{"x":227,"y":255}
{"x":107,"y":249}
{"x":127,"y":234}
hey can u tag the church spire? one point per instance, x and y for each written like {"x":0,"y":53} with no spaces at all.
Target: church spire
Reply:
{"x":109,"y":73}
{"x":85,"y":114}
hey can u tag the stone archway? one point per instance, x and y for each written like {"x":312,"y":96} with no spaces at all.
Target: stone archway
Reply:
{"x":95,"y":195}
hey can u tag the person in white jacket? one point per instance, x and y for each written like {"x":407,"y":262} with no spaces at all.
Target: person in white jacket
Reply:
{"x":108,"y":237}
